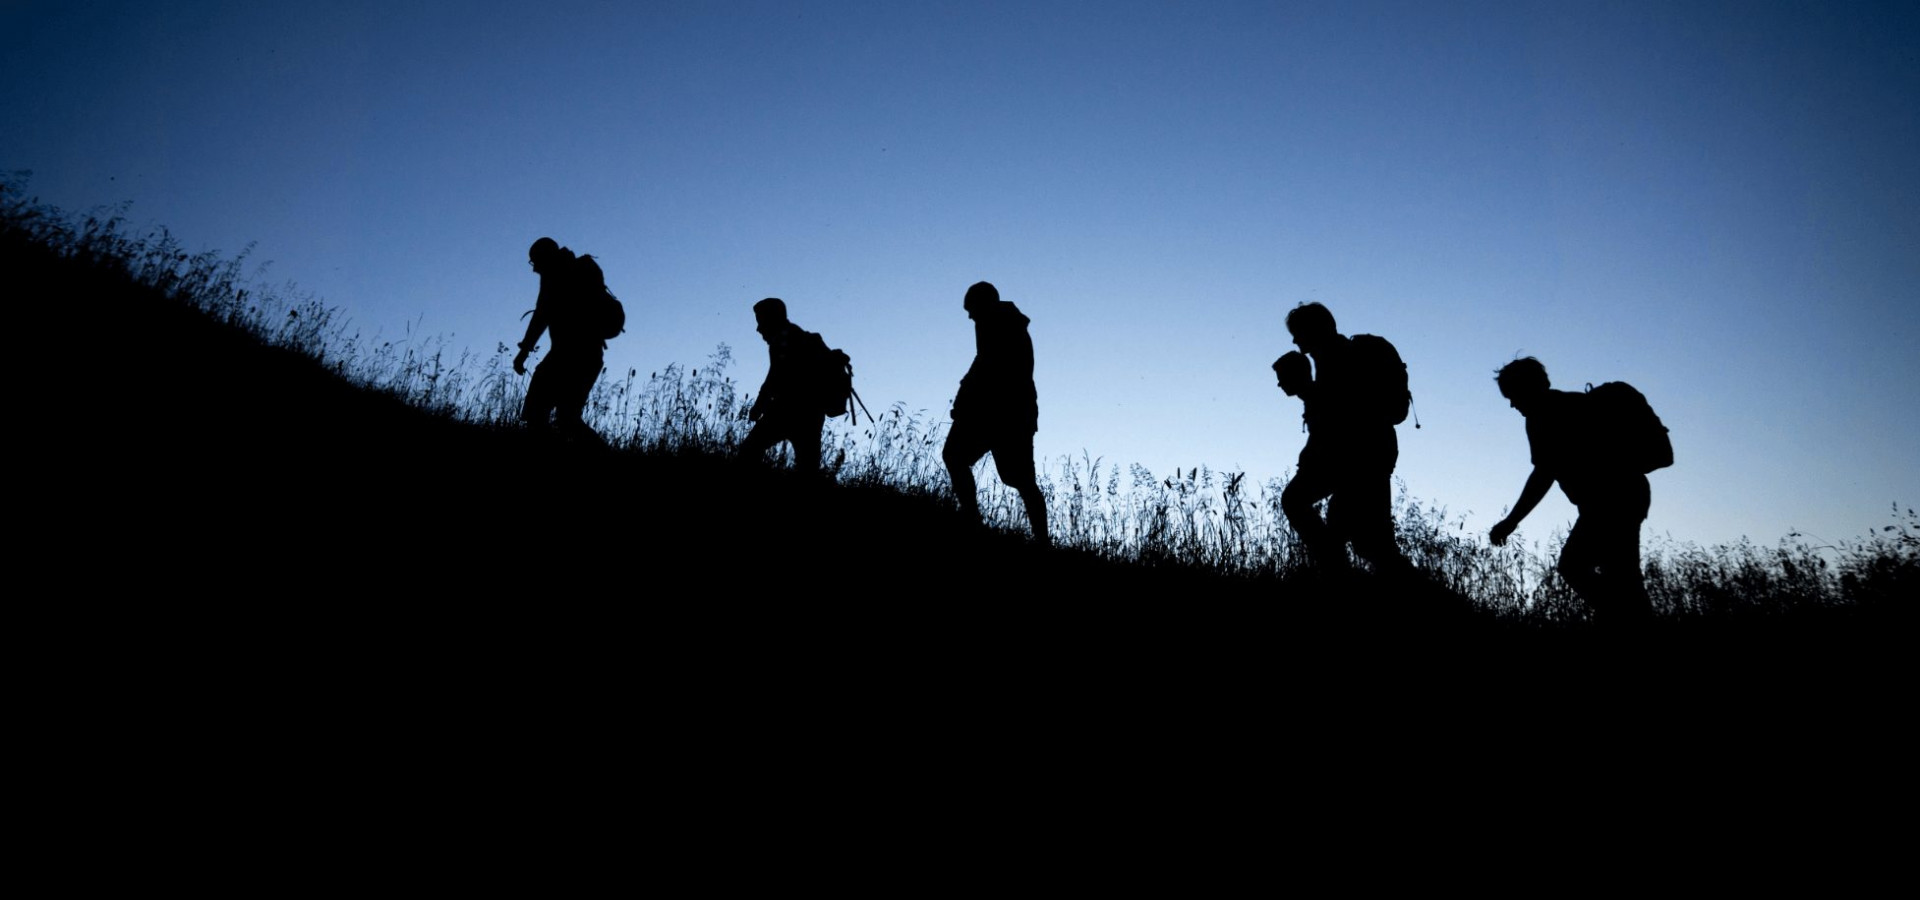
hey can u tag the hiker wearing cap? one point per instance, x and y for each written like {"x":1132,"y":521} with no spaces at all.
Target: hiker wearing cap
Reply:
{"x":579,"y":314}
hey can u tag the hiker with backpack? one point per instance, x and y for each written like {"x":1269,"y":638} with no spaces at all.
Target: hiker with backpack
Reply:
{"x":1354,"y":392}
{"x":582,"y":315}
{"x":806,"y":382}
{"x":1599,"y":446}
{"x":997,"y":410}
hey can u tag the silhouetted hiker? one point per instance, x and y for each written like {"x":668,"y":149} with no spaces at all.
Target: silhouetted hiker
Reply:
{"x":1599,"y":446}
{"x":1354,"y":391}
{"x":997,"y":410}
{"x":795,"y":399}
{"x":581,"y":314}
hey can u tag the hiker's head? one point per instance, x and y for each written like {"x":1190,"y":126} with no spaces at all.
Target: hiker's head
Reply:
{"x":1294,"y":372}
{"x":768,"y":315}
{"x":1523,"y":382}
{"x":981,"y":296}
{"x":1311,"y":326}
{"x":542,"y":250}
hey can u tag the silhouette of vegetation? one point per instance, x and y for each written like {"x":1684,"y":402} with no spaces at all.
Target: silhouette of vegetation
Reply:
{"x":277,"y":412}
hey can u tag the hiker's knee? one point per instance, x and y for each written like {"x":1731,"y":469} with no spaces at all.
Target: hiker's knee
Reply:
{"x":1298,"y":499}
{"x":958,"y":457}
{"x":1017,"y":474}
{"x":1579,"y":572}
{"x":1373,"y":539}
{"x":1032,"y":499}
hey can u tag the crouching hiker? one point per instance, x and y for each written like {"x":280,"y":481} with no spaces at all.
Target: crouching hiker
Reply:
{"x":1599,"y":446}
{"x":807,"y":383}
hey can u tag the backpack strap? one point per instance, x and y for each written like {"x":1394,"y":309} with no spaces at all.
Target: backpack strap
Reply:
{"x":853,"y":419}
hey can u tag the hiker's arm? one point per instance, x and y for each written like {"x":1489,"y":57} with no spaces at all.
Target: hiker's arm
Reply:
{"x":755,"y":411}
{"x":536,"y":324}
{"x":963,"y":396}
{"x":768,"y":385}
{"x":1535,"y":490}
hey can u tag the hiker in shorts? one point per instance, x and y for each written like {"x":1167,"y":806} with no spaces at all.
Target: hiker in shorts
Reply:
{"x":1354,"y":392}
{"x":787,"y":407}
{"x":557,"y":397}
{"x":1568,"y":436}
{"x":997,"y":409}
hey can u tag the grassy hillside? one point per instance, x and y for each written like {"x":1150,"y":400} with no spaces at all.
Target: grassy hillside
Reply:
{"x":323,"y":612}
{"x":231,"y":489}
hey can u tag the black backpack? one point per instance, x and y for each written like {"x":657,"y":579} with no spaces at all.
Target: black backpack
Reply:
{"x":1383,"y":378}
{"x":1628,"y":429}
{"x":830,"y":377}
{"x":598,"y":310}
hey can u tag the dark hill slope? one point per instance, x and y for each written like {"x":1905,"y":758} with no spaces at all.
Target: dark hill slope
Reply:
{"x":238,"y":535}
{"x":240,"y":467}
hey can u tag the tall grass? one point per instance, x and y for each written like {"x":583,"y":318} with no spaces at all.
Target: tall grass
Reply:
{"x":1198,"y":516}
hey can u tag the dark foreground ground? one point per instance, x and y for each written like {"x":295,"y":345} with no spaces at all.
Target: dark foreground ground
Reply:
{"x":249,"y":570}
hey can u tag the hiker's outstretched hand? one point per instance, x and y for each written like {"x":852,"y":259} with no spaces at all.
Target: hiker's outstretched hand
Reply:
{"x":1502,"y":530}
{"x":520,"y":362}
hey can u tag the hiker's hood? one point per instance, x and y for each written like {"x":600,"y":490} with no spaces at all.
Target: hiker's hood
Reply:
{"x":1003,"y":312}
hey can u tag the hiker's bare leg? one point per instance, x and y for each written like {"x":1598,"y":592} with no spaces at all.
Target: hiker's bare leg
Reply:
{"x":805,"y":435}
{"x":570,"y":422}
{"x":759,"y":440}
{"x":1013,"y":457}
{"x":1601,"y":563}
{"x":561,"y":385}
{"x":1309,"y":486}
{"x":1362,"y":510}
{"x":1601,"y":559}
{"x":537,"y":411}
{"x":960,"y":453}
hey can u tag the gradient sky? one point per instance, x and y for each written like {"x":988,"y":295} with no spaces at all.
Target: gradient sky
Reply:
{"x":1718,"y":202}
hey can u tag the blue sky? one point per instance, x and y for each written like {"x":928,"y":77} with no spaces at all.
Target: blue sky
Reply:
{"x":1714,"y":201}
